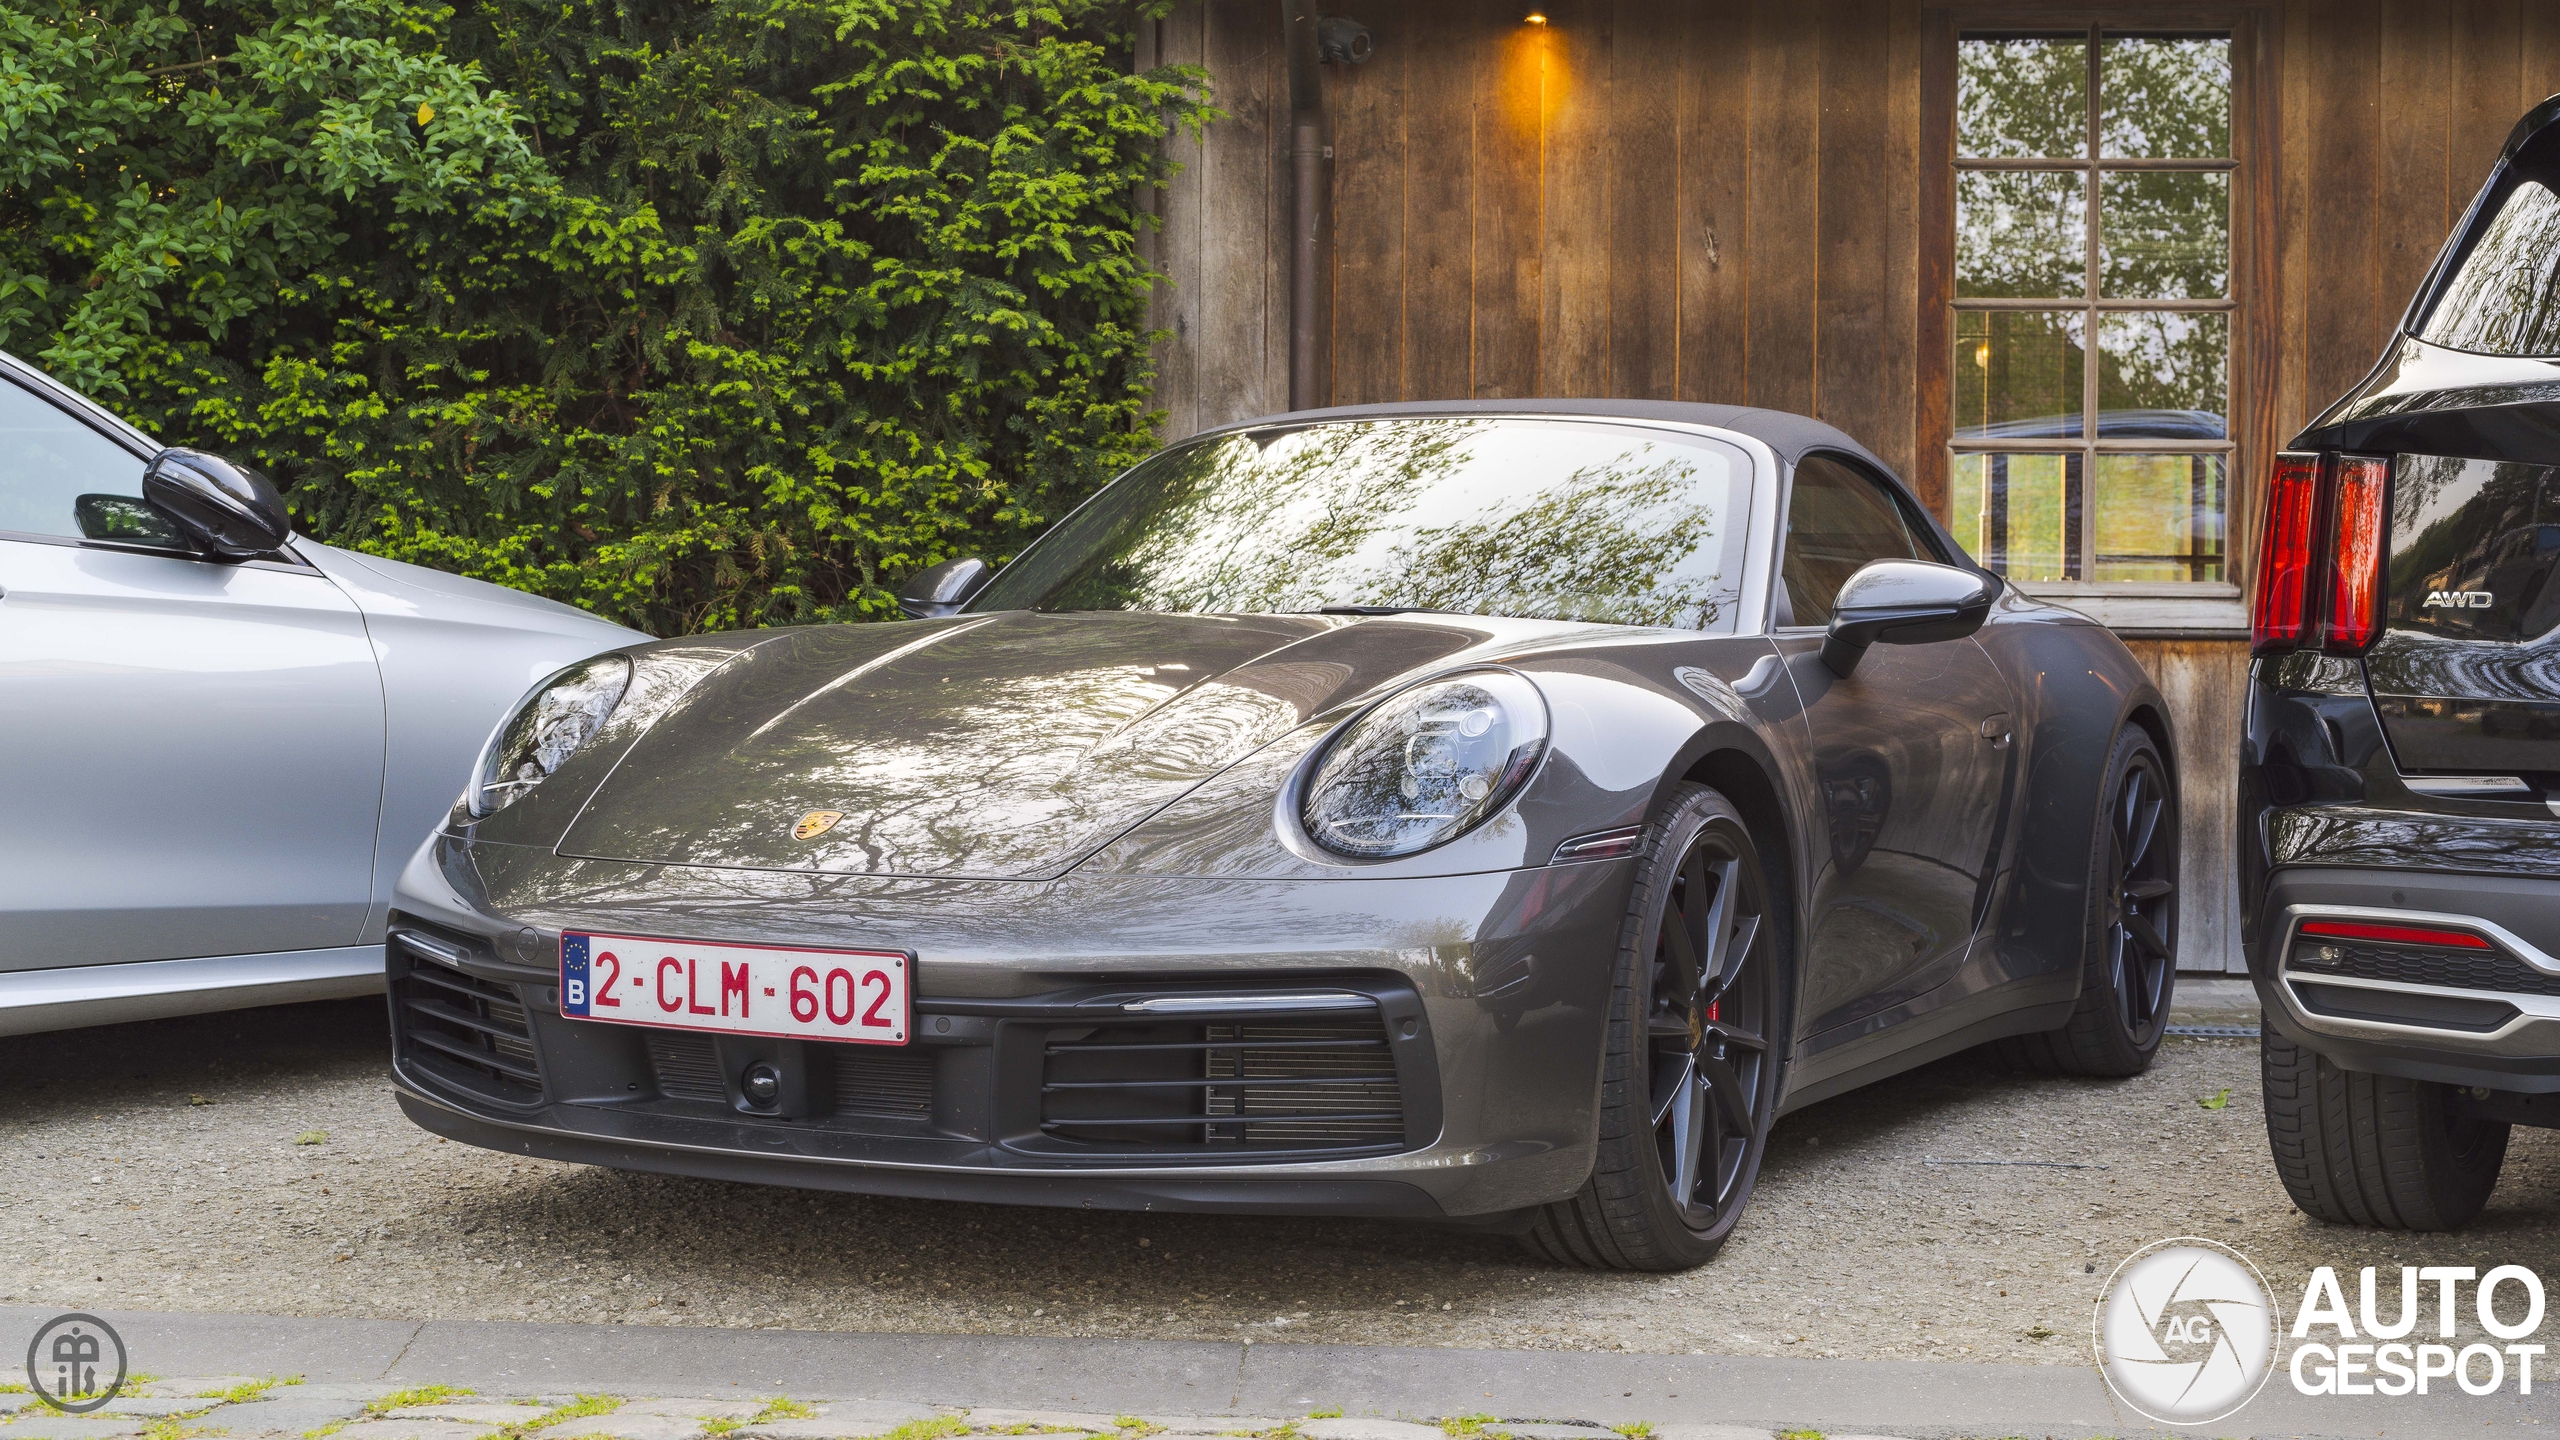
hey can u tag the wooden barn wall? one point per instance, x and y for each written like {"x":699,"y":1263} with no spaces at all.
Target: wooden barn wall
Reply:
{"x":1567,"y":210}
{"x":1719,"y":200}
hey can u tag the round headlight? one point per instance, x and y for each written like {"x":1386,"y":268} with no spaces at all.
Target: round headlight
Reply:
{"x":561,"y":715}
{"x":1426,"y":766}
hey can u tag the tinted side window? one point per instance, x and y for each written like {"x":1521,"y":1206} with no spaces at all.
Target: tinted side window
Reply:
{"x":59,"y":477}
{"x":1837,"y":521}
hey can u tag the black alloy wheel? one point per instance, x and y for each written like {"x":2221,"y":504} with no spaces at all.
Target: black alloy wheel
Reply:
{"x":2129,"y":970}
{"x":2142,"y":940}
{"x":1707,"y":1033}
{"x":1690,"y":1083}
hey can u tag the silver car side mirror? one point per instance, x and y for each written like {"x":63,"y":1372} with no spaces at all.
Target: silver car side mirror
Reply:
{"x":939,"y":590}
{"x":1904,"y":602}
{"x":224,"y":509}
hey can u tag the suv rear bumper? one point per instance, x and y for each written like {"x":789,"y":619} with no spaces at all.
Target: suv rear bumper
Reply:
{"x":2490,"y":1031}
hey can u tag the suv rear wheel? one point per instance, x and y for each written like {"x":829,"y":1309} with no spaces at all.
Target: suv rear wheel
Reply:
{"x":2377,"y":1150}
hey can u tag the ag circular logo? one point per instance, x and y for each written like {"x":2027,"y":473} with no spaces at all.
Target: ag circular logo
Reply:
{"x":76,"y":1363}
{"x":2184,"y":1332}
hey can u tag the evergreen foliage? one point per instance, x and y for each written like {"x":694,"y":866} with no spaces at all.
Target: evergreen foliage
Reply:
{"x":698,"y":313}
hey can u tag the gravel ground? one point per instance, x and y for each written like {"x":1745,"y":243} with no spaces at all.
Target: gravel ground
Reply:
{"x":181,"y":1166}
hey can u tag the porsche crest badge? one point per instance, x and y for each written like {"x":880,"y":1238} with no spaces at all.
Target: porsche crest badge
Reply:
{"x":815,"y":824}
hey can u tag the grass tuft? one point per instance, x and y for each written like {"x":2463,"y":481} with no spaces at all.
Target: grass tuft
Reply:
{"x":783,"y":1407}
{"x":248,"y":1389}
{"x":417,"y":1395}
{"x":936,"y":1428}
{"x":1331,"y":1413}
{"x":1635,"y":1429}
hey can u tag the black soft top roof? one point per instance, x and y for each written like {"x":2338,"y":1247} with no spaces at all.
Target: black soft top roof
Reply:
{"x":1788,"y":434}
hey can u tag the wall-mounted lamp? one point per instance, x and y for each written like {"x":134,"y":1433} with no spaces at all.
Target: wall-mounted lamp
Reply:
{"x":1534,"y":17}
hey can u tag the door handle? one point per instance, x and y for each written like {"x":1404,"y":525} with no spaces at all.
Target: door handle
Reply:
{"x":1995,"y":729}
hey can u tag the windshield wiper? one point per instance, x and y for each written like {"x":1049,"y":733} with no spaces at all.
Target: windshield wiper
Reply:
{"x":1368,"y":610}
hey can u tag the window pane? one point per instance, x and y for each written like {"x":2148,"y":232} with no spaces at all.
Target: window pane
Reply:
{"x":2163,"y":372}
{"x":2022,"y":233}
{"x":2164,"y":98}
{"x":2018,"y":514}
{"x":2164,"y":235}
{"x":50,"y":462}
{"x":2022,"y":97}
{"x":2017,"y":374}
{"x":2159,"y":517}
{"x":2505,"y":298}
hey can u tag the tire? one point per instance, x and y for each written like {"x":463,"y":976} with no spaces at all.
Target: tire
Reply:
{"x":1697,"y":1025}
{"x":2129,"y":935}
{"x":2374,"y":1150}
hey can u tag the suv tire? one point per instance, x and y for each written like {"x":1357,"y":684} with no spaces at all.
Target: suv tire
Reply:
{"x":2375,"y":1150}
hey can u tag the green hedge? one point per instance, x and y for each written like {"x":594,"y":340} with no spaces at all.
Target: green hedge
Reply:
{"x":699,"y":315}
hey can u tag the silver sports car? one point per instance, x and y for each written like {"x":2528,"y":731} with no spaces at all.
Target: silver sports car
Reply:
{"x":1485,"y":813}
{"x":222,"y":740}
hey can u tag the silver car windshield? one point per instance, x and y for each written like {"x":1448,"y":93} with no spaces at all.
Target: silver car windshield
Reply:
{"x":1544,"y":519}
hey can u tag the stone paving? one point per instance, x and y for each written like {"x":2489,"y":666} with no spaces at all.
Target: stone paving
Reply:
{"x":242,"y":1407}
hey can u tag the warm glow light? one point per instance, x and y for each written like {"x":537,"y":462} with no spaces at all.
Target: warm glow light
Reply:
{"x":1534,"y":17}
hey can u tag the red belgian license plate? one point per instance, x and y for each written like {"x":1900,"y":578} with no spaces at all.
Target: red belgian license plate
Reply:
{"x":862,"y":996}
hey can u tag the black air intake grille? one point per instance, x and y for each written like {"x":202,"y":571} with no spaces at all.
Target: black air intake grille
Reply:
{"x":1265,"y":1082}
{"x":2452,"y":969}
{"x":467,"y":1031}
{"x":881,"y":1080}
{"x":687,"y":1067}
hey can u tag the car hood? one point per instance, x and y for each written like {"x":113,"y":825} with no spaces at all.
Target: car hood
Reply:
{"x":1005,"y":746}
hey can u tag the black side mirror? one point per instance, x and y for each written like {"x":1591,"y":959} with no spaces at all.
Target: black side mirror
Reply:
{"x":226,"y":510}
{"x":939,"y":590}
{"x":1904,"y":602}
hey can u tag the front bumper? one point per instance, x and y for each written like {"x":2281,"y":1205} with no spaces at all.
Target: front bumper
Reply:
{"x":1486,"y":998}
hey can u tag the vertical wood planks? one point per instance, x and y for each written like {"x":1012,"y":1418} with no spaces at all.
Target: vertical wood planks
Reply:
{"x":2416,"y":117}
{"x":2344,"y":327}
{"x":1175,"y":248}
{"x":1851,"y":180}
{"x":1644,"y":199}
{"x":1898,"y":362}
{"x":2257,"y":50}
{"x":1370,"y":171}
{"x":2487,"y":70}
{"x":1573,"y":269}
{"x":1243,"y":279}
{"x":1932,"y":402}
{"x":2203,"y":682}
{"x":1508,"y":230}
{"x":1441,"y":106}
{"x":2539,"y":55}
{"x":1713,"y":121}
{"x":1785,"y":127}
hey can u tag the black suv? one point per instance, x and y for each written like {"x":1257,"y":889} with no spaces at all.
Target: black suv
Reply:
{"x":2400,"y":782}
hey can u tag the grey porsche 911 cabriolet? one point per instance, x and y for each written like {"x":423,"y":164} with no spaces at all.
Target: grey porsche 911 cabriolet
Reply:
{"x":1496,"y":813}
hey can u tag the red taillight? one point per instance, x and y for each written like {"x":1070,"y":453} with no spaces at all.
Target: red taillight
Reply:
{"x":2395,"y":934}
{"x":2355,"y":561}
{"x":2279,"y":620}
{"x":2320,"y":556}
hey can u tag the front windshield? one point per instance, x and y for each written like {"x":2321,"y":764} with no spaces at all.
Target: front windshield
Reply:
{"x":1544,"y":519}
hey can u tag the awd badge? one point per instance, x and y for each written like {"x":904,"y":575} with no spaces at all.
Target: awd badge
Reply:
{"x":815,"y":824}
